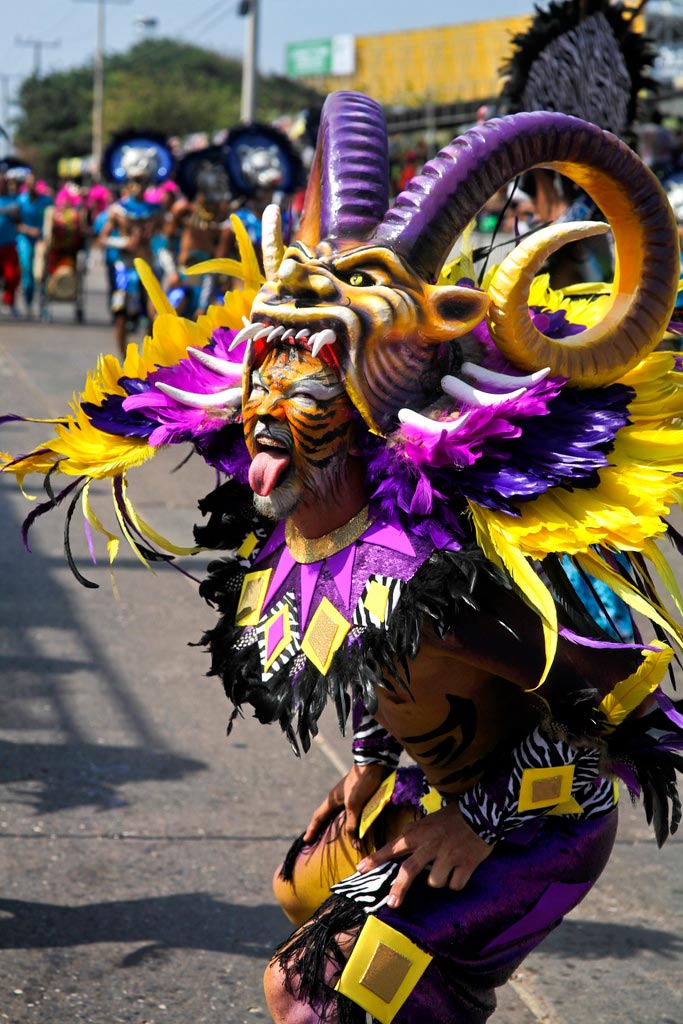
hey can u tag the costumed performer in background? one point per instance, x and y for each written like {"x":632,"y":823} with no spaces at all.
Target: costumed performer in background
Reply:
{"x":134,"y":226}
{"x":421,"y":450}
{"x":586,"y":58}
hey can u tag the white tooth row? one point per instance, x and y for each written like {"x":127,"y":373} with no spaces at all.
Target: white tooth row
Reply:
{"x":259,"y":332}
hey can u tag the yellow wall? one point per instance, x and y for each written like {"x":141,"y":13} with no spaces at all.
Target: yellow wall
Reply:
{"x":450,"y":64}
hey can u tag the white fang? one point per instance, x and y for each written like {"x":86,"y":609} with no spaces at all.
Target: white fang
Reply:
{"x":325,"y":337}
{"x":503,"y":380}
{"x":232,"y":371}
{"x":429,"y":426}
{"x":230,"y":397}
{"x":248,"y":331}
{"x":463,"y":392}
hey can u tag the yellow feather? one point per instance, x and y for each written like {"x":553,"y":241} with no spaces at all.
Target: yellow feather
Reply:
{"x":496,"y":547}
{"x":91,"y":517}
{"x":651,"y":551}
{"x":231,"y":268}
{"x":251,"y":272}
{"x":148,"y":531}
{"x":127,"y":534}
{"x":628,"y":593}
{"x":153,"y":288}
{"x":631,"y":692}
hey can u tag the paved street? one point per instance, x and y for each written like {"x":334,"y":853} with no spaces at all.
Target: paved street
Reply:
{"x":137,"y":842}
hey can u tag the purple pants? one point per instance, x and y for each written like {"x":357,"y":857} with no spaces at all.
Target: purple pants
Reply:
{"x":478,"y":937}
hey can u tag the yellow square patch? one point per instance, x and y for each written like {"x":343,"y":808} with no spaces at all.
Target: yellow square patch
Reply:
{"x":545,"y":787}
{"x":254,"y":590}
{"x":432,"y":801}
{"x":325,"y":635}
{"x":382,"y":971}
{"x":277,"y":636}
{"x":247,"y":546}
{"x":376,"y":804}
{"x":376,"y":599}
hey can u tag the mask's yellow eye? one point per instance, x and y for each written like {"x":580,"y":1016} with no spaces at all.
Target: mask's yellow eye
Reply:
{"x":358,"y":280}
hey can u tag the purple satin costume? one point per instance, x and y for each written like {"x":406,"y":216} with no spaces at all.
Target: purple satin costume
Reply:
{"x":516,"y":897}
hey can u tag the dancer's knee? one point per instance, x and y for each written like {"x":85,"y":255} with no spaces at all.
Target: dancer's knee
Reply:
{"x":284,"y":1008}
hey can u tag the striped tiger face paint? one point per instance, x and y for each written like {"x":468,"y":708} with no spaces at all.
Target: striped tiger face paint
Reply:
{"x":299,"y":428}
{"x":384,"y":323}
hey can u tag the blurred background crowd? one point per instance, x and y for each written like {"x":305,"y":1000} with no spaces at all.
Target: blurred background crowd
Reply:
{"x":102,"y":164}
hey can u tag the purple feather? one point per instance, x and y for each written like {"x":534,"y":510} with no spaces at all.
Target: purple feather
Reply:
{"x":175,"y":421}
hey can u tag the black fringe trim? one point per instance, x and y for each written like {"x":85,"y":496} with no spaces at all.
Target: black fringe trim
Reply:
{"x":306,"y":956}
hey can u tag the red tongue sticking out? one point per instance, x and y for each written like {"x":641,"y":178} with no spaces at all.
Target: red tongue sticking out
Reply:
{"x":266,"y":469}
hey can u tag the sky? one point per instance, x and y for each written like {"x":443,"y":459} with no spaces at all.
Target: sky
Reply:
{"x":67,"y":29}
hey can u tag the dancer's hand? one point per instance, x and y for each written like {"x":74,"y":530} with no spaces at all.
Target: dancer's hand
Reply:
{"x":442,"y":839}
{"x":352,"y":793}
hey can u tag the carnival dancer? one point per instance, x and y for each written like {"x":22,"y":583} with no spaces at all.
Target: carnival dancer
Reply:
{"x":264,"y":168}
{"x":134,"y":226}
{"x":9,"y":260}
{"x":66,"y":231}
{"x":422,"y":452}
{"x":33,"y":204}
{"x":199,"y":219}
{"x":587,"y":58}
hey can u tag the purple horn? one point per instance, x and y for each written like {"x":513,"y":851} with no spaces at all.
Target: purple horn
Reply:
{"x":348,"y":191}
{"x":436,"y":206}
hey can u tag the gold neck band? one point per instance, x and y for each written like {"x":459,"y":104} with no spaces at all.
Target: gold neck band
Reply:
{"x":306,"y":550}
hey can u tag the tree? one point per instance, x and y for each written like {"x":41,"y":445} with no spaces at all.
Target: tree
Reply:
{"x":174,"y":88}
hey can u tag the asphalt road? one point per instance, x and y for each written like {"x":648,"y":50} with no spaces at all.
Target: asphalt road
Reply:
{"x":137,"y":843}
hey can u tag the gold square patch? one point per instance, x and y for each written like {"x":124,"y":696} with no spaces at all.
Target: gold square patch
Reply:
{"x":325,"y":635}
{"x":383,"y":969}
{"x":545,"y":787}
{"x":386,"y":972}
{"x":252,"y":596}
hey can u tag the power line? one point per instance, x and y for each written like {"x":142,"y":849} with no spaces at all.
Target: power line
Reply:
{"x":219,"y":17}
{"x":192,"y":26}
{"x":38,"y":46}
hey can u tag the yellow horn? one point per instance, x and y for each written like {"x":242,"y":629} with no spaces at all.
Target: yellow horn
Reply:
{"x":641,"y":297}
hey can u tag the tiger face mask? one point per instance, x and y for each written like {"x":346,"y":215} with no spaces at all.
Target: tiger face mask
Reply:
{"x":299,"y":429}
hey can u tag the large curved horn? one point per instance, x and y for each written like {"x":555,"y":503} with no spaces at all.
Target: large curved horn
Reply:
{"x":348,"y":190}
{"x":437,"y":205}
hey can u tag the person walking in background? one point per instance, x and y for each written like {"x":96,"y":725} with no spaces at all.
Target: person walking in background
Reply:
{"x":32,"y":207}
{"x":9,"y":260}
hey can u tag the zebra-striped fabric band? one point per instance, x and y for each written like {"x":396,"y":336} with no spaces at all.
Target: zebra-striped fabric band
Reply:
{"x":372,"y":744}
{"x":491,"y":807}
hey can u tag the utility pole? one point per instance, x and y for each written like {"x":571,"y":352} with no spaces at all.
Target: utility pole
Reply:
{"x":248,"y":9}
{"x":5,"y":103}
{"x":98,"y":85}
{"x":38,"y":46}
